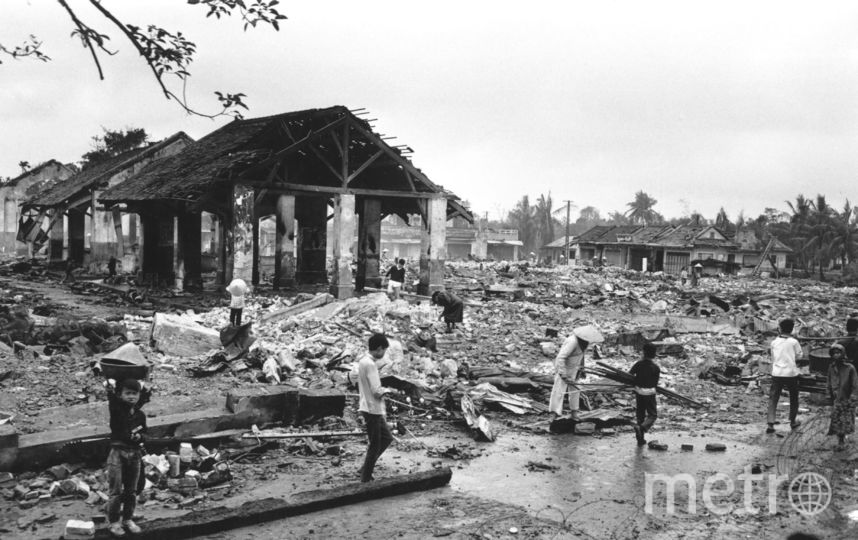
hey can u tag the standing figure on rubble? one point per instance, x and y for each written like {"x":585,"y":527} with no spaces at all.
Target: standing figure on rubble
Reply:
{"x":850,"y":344}
{"x":695,"y":274}
{"x":785,"y":350}
{"x":454,"y":308}
{"x":842,"y":389}
{"x":237,"y":288}
{"x":395,"y":279}
{"x":683,"y":276}
{"x":567,"y":369}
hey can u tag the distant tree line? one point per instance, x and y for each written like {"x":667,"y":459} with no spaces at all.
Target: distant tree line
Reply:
{"x":820,"y":235}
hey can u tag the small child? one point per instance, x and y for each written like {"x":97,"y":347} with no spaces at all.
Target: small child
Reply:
{"x":237,"y":289}
{"x":372,"y":406}
{"x":124,"y":463}
{"x":646,"y":374}
{"x":397,"y":278}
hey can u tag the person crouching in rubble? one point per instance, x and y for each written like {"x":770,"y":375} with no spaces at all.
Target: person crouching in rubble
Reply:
{"x":237,"y":288}
{"x":454,"y":308}
{"x":568,"y":366}
{"x":784,"y":349}
{"x":646,"y":374}
{"x":842,"y":389}
{"x":124,"y":463}
{"x":372,"y":406}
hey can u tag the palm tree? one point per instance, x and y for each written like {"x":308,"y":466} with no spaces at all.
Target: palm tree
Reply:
{"x":25,"y":166}
{"x":641,"y":211}
{"x":523,"y":218}
{"x":544,"y":220}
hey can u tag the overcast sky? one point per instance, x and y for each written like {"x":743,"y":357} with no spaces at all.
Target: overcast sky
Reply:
{"x":735,"y":104}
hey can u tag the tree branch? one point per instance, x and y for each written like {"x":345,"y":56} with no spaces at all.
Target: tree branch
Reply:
{"x":85,"y":36}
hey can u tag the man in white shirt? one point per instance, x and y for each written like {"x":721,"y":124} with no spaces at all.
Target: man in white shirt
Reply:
{"x":785,"y":350}
{"x":371,"y":405}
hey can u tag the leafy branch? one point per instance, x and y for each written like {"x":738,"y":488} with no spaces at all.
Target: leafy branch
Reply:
{"x":166,"y":53}
{"x":31,"y":47}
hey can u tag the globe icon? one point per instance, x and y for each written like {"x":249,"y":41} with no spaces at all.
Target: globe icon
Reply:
{"x":810,"y":493}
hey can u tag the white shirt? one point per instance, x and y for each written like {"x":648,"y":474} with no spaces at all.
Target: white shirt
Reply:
{"x":569,"y":358}
{"x":785,"y":350}
{"x":369,"y":386}
{"x":237,"y":288}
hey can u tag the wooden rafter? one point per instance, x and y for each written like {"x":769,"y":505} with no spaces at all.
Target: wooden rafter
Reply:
{"x":363,"y":167}
{"x":345,"y":156}
{"x":280,"y":154}
{"x":396,"y":157}
{"x":299,"y":188}
{"x":324,"y":160}
{"x":408,"y":179}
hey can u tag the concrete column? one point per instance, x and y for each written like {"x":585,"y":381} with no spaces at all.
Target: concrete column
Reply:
{"x":240,"y":242}
{"x":190,"y":249}
{"x":344,"y":233}
{"x":369,"y":244}
{"x":10,"y":226}
{"x":77,"y":235}
{"x":102,"y":240}
{"x":119,"y":251}
{"x":132,"y":229}
{"x":312,"y":215}
{"x":284,"y":250}
{"x":255,"y":245}
{"x":56,"y":235}
{"x":178,"y":269}
{"x":433,"y":252}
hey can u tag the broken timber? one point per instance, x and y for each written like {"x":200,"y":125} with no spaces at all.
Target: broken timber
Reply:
{"x":215,"y":520}
{"x":609,"y":372}
{"x":291,"y":311}
{"x":299,"y":435}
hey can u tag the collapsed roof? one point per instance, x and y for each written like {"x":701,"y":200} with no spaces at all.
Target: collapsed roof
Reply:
{"x":315,"y":151}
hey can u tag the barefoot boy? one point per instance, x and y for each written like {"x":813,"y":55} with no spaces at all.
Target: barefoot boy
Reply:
{"x":127,"y":427}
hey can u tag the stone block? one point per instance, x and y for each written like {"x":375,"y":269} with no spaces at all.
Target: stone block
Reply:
{"x":267,"y":402}
{"x":181,"y":336}
{"x":308,"y":406}
{"x":585,"y":428}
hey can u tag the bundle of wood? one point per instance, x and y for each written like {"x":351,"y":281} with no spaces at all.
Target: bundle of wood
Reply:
{"x":614,"y":374}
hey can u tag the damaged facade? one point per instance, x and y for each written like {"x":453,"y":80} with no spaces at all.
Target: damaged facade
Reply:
{"x":78,"y":227}
{"x":20,"y":231}
{"x":668,"y":248}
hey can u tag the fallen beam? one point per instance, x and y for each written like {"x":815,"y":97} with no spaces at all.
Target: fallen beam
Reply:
{"x":216,"y":520}
{"x":401,"y":293}
{"x":291,"y":311}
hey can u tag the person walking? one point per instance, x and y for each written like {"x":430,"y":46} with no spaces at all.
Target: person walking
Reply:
{"x":785,"y":349}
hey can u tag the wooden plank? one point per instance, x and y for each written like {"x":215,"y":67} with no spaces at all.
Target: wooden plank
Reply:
{"x":219,"y":519}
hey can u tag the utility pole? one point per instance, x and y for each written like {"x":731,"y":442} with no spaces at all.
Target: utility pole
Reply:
{"x":568,"y":206}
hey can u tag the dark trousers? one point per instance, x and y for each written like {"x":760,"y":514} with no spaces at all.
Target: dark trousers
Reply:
{"x":379,"y":439}
{"x":123,"y":472}
{"x":646,"y":410}
{"x":235,"y":316}
{"x":778,"y":384}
